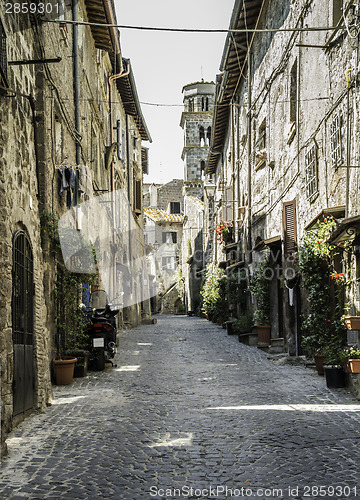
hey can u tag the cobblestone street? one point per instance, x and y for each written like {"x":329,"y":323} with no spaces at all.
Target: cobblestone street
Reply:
{"x":188,"y":408}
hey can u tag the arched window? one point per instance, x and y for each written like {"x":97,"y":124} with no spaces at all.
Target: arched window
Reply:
{"x":22,"y":322}
{"x":202,"y":136}
{"x":208,"y":136}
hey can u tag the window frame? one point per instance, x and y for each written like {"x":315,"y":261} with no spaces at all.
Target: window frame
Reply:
{"x":311,"y":172}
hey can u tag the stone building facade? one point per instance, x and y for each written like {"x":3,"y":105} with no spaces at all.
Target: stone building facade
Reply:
{"x":284,"y":149}
{"x":71,"y":131}
{"x":163,"y":211}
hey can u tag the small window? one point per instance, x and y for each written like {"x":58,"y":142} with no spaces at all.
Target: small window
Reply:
{"x":3,"y":56}
{"x":293,"y":92}
{"x":311,"y":172}
{"x":168,"y":263}
{"x":174,"y":207}
{"x":169,"y":237}
{"x":336,"y":11}
{"x":336,"y":141}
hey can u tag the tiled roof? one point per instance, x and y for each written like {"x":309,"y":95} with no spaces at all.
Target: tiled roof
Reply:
{"x":159,"y":215}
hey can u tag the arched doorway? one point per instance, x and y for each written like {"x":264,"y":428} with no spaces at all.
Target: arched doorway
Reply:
{"x":23,"y":323}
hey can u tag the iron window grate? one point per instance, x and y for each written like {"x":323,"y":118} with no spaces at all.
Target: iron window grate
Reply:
{"x":3,"y":56}
{"x":311,"y":172}
{"x":336,"y":141}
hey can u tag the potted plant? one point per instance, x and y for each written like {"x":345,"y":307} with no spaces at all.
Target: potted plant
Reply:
{"x":72,"y":340}
{"x":214,"y":303}
{"x":351,"y":359}
{"x":322,"y":325}
{"x":334,"y":362}
{"x":243,"y":324}
{"x":260,"y":289}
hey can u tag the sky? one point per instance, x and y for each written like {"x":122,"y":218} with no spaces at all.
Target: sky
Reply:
{"x":164,"y":62}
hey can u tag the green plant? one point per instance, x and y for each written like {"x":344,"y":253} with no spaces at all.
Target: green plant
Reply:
{"x":352,"y":352}
{"x":260,"y":288}
{"x":213,"y":294}
{"x":244,"y":323}
{"x":71,"y":319}
{"x":49,"y":230}
{"x":323,"y":330}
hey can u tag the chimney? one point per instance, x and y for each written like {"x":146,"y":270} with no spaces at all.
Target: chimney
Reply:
{"x":153,"y":195}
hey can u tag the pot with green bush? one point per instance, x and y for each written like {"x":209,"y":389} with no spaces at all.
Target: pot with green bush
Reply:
{"x":334,"y":363}
{"x":260,"y":289}
{"x":323,"y":333}
{"x":72,"y":339}
{"x":351,"y":359}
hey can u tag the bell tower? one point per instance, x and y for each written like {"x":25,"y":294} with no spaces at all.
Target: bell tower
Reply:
{"x":196,"y":121}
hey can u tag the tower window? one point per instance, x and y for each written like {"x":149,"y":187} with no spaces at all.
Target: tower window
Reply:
{"x":202,"y":136}
{"x":208,"y":135}
{"x":204,"y":104}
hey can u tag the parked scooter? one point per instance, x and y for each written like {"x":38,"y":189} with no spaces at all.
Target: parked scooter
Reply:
{"x":102,"y":330}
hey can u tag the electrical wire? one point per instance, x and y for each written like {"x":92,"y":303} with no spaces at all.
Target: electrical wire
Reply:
{"x":193,"y":30}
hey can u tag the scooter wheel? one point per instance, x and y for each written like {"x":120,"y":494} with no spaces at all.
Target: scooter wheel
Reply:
{"x":100,"y":361}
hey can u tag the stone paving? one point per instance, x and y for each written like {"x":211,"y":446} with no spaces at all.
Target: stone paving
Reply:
{"x":188,"y":413}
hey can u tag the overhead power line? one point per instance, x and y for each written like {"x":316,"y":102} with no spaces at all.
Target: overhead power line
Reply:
{"x":193,"y":30}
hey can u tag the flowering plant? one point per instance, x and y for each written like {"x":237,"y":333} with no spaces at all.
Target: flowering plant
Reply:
{"x":352,"y":352}
{"x":222,"y":230}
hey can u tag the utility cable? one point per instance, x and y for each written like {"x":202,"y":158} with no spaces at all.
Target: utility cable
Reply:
{"x":193,"y":30}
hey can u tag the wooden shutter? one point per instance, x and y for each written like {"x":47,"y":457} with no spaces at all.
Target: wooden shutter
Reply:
{"x":289,"y":225}
{"x":137,"y":196}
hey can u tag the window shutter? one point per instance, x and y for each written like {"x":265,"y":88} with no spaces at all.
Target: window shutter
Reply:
{"x":289,"y":225}
{"x":137,"y":196}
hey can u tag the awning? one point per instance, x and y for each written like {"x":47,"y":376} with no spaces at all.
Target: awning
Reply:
{"x":347,"y":229}
{"x":275,"y":240}
{"x":232,"y":268}
{"x":336,"y":212}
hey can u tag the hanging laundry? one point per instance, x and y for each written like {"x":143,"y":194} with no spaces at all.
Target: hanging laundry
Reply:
{"x":64,"y":184}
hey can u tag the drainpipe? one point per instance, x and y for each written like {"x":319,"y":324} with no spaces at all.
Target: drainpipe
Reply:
{"x":249,"y":156}
{"x":112,"y":174}
{"x":76,"y":92}
{"x":348,"y":154}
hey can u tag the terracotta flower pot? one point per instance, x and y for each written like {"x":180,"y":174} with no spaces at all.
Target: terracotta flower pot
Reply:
{"x":354,"y":365}
{"x":352,"y":322}
{"x":64,"y":370}
{"x":319,"y":363}
{"x":263,"y":332}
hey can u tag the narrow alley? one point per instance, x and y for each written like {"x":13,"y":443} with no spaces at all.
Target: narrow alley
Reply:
{"x":188,"y":412}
